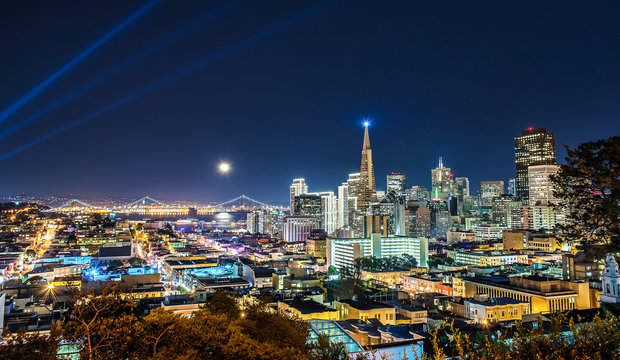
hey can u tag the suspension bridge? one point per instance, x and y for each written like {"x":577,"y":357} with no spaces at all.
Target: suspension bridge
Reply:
{"x":149,"y":206}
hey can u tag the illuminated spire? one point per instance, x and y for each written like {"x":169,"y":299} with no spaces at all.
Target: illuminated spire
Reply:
{"x":366,"y":137}
{"x":440,"y":162}
{"x":367,"y":192}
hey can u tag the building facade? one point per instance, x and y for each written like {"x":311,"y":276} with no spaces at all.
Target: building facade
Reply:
{"x":533,"y":147}
{"x":540,"y":186}
{"x":298,"y":187}
{"x":344,"y":251}
{"x":366,"y":191}
{"x":297,"y":228}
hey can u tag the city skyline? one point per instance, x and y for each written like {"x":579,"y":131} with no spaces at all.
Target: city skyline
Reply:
{"x":434,"y":83}
{"x":366,"y":147}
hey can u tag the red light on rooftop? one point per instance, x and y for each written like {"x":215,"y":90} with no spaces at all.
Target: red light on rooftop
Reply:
{"x":530,"y":128}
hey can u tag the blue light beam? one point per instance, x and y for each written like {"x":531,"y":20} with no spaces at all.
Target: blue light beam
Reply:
{"x":121,"y":67}
{"x":34,"y":92}
{"x":172,"y":77}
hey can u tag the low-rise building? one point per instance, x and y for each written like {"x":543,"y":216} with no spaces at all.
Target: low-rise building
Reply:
{"x":544,"y":294}
{"x":307,"y":310}
{"x":483,"y":309}
{"x":425,"y":284}
{"x":388,"y":277}
{"x":365,"y":310}
{"x":487,"y":258}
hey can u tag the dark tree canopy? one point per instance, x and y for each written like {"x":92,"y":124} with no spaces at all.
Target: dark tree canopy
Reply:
{"x":589,"y":189}
{"x":109,"y":326}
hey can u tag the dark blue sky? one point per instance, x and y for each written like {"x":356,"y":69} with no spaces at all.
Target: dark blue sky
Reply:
{"x":456,"y":79}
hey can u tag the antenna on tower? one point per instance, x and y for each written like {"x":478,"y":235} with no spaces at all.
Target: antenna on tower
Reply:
{"x":440,"y":162}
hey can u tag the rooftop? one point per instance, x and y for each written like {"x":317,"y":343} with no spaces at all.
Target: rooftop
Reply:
{"x":308,"y":306}
{"x":365,"y":305}
{"x":498,"y":301}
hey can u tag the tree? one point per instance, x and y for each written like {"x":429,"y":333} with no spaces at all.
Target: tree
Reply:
{"x":598,"y":339}
{"x":224,"y":302}
{"x":589,"y":189}
{"x":323,"y":349}
{"x":102,"y":323}
{"x":30,"y":345}
{"x":115,"y":264}
{"x":135,"y":261}
{"x":107,"y":326}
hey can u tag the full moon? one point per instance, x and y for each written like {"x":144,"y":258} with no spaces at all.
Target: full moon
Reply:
{"x":223,"y":167}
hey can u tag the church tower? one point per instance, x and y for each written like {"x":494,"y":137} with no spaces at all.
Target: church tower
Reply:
{"x":611,"y":281}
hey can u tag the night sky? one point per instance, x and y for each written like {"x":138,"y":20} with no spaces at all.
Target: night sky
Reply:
{"x":281,"y":98}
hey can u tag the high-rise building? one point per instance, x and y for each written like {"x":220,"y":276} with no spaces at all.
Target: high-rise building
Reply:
{"x":419,"y":221}
{"x":540,"y":185}
{"x":308,"y":205}
{"x":298,"y":228}
{"x":441,"y":180}
{"x":396,"y":182}
{"x":533,"y":147}
{"x":353,"y":184}
{"x":490,"y":190}
{"x":343,"y":205}
{"x":512,"y":186}
{"x":440,"y":218}
{"x":329,"y":213}
{"x":264,"y":221}
{"x":366,"y":191}
{"x":299,"y":187}
{"x":343,"y":251}
{"x":506,"y":211}
{"x":417,"y":193}
{"x":462,"y":187}
{"x":387,"y":216}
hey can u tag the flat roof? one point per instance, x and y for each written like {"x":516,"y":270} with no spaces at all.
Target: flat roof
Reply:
{"x":308,"y":306}
{"x":365,"y":305}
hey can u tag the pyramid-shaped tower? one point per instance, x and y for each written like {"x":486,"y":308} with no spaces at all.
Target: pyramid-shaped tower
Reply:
{"x":367,"y":190}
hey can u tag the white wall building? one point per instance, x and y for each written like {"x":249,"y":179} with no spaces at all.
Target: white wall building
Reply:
{"x":343,"y":205}
{"x":611,"y":281}
{"x":486,"y":258}
{"x":298,"y":187}
{"x":298,"y":228}
{"x":344,"y":251}
{"x":540,"y":185}
{"x":488,"y":232}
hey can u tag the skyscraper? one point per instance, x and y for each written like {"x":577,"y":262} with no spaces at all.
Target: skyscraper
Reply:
{"x":512,"y":187}
{"x":308,"y":205}
{"x":367,"y":190}
{"x":533,"y":147}
{"x":396,"y":182}
{"x":441,"y":179}
{"x":540,"y":185}
{"x":329,"y":218}
{"x":462,"y":186}
{"x":417,"y":193}
{"x":343,"y":205}
{"x":352,"y":184}
{"x":298,"y":228}
{"x":490,"y":190}
{"x":298,"y":187}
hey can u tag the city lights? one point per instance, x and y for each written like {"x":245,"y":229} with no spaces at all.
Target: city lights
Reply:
{"x":402,"y":186}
